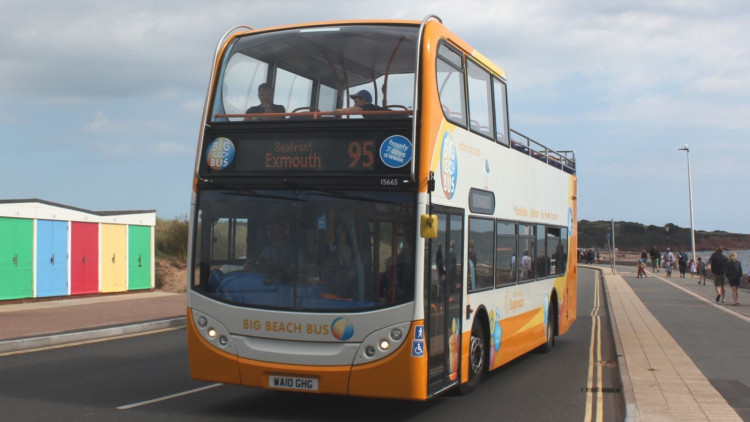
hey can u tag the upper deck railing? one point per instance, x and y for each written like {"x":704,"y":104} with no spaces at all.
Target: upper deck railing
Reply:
{"x":564,"y":160}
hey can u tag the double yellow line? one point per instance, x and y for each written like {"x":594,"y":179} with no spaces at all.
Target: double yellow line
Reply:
{"x":594,"y":394}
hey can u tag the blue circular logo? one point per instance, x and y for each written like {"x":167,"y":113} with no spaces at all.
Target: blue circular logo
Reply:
{"x":396,"y":151}
{"x":220,"y":154}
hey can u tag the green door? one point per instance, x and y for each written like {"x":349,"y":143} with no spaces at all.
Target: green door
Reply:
{"x":139,"y":257}
{"x":16,"y":258}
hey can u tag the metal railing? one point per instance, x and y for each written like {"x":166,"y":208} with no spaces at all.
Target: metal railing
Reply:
{"x":564,"y":160}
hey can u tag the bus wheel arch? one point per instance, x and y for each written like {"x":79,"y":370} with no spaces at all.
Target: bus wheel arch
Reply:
{"x":478,"y":351}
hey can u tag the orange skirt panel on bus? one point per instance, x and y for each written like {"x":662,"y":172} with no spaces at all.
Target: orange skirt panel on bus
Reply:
{"x":398,"y":376}
{"x":206,"y":362}
{"x":568,"y":309}
{"x":520,"y":334}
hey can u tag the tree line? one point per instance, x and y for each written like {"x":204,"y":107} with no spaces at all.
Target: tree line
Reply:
{"x":636,"y":236}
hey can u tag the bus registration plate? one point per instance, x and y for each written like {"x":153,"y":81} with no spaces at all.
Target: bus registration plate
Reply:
{"x":292,"y":383}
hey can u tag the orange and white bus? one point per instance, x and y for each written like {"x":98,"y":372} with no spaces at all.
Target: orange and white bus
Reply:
{"x":363,"y":220}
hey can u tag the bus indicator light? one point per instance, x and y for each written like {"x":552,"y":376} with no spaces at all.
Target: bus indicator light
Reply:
{"x":396,"y":334}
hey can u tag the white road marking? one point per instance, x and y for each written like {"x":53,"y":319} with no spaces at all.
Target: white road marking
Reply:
{"x":169,"y":397}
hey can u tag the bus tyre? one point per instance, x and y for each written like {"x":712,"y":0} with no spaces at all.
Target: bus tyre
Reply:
{"x":549,"y":331}
{"x":477,"y":357}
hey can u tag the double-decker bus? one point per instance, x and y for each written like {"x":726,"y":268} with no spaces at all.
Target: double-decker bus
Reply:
{"x":364,"y":222}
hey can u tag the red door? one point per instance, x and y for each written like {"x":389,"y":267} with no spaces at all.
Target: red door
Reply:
{"x":84,"y":258}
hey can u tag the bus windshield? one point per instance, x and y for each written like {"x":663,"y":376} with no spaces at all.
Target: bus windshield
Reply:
{"x":306,"y":250}
{"x":310,"y":73}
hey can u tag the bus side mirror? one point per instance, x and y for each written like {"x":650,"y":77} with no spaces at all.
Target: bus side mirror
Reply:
{"x":428,"y":226}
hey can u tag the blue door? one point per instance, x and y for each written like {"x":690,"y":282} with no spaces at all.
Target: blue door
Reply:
{"x":51,"y":258}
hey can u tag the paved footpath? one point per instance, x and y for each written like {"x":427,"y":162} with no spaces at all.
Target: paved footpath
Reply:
{"x":661,"y":382}
{"x":47,"y":323}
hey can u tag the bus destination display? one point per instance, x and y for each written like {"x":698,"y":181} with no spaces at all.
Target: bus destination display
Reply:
{"x":366,"y":154}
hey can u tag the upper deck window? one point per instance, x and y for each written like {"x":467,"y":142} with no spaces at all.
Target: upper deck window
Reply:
{"x":314,"y":71}
{"x":450,"y":81}
{"x":480,"y":100}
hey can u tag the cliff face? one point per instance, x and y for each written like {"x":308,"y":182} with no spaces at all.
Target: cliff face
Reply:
{"x":728,"y":241}
{"x":635,"y":236}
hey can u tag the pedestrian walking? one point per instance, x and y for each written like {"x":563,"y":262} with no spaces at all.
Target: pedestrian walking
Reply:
{"x":692,"y":268}
{"x":702,"y":272}
{"x":668,"y":257}
{"x":718,"y":263}
{"x":734,"y":275}
{"x":654,"y":255}
{"x":682,"y":262}
{"x":641,"y":268}
{"x":668,"y":268}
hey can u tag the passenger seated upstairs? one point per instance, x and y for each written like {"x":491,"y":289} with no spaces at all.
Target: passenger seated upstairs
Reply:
{"x":363,"y":102}
{"x":265,"y":95}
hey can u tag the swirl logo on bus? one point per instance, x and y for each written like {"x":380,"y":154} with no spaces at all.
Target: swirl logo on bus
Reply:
{"x":220,"y":154}
{"x":570,"y":220}
{"x":448,"y":165}
{"x":342,"y":328}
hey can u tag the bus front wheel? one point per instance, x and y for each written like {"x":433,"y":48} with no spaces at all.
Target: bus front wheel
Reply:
{"x":477,"y":357}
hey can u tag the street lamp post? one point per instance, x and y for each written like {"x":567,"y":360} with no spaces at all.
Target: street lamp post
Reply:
{"x":690,"y":195}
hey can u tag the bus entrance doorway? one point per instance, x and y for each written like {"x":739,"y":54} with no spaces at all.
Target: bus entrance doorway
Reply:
{"x":443,"y":282}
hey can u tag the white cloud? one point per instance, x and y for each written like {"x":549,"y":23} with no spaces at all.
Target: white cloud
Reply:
{"x":99,"y":123}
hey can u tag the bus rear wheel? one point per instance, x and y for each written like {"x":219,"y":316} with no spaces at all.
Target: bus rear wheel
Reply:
{"x":549,"y":331}
{"x":477,"y":357}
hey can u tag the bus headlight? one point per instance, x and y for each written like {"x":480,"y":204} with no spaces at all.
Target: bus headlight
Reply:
{"x":382,"y":343}
{"x":213,"y":331}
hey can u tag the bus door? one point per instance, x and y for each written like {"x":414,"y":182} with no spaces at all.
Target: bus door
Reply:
{"x":443,"y":284}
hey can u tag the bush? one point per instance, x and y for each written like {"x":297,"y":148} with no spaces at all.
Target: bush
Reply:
{"x":172,"y":237}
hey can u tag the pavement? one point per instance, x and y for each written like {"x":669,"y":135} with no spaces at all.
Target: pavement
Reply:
{"x":46,"y":323}
{"x":659,"y":380}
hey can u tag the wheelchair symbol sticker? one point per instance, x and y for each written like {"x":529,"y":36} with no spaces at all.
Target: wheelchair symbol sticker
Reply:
{"x":417,"y":349}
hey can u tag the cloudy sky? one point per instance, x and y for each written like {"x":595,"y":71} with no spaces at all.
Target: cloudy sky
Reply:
{"x":100,"y":101}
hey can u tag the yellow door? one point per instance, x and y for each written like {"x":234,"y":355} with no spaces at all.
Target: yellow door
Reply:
{"x":114,"y":258}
